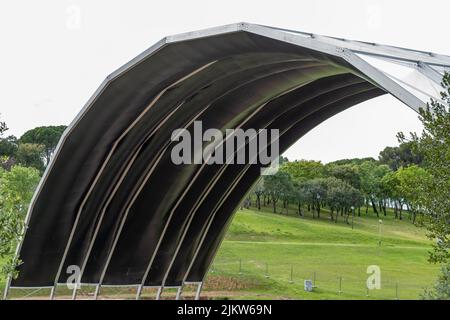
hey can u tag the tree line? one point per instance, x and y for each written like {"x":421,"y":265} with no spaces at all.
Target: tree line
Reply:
{"x":22,"y":162}
{"x":346,"y":186}
{"x":33,"y":149}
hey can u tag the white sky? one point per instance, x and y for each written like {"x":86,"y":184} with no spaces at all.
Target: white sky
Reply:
{"x":51,"y":63}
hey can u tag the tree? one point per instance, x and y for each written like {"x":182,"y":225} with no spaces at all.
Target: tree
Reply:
{"x":30,"y":155}
{"x":259,"y":191}
{"x":278,"y":186}
{"x":402,"y":156}
{"x":16,"y":190}
{"x":411,"y":182}
{"x":341,"y":197}
{"x":391,"y":188}
{"x":8,"y":146}
{"x":441,"y":290}
{"x":315,"y":191}
{"x":434,"y":145}
{"x":345,"y":172}
{"x":300,"y":195}
{"x":354,"y":161}
{"x":371,"y":174}
{"x":3,"y":128}
{"x":302,"y":170}
{"x":47,"y":136}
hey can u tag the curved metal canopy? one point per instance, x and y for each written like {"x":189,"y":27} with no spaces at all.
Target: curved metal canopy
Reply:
{"x":112,"y":202}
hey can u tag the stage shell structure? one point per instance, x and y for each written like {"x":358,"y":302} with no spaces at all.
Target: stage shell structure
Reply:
{"x":113,"y":203}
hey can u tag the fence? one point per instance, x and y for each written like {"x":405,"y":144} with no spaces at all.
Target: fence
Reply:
{"x":240,"y":278}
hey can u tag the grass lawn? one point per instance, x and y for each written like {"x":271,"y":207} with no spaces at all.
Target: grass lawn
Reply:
{"x":266,"y":255}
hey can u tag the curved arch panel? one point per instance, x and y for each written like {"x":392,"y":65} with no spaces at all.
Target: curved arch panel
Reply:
{"x":113,"y":203}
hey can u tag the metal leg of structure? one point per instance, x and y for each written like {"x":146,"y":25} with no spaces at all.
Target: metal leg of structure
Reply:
{"x":5,"y":293}
{"x":179,"y":292}
{"x":139,"y":291}
{"x":97,"y":291}
{"x":74,"y":292}
{"x":158,"y":293}
{"x":52,"y":293}
{"x":199,"y":289}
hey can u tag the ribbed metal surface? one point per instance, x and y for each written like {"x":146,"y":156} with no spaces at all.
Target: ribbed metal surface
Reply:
{"x":112,"y":201}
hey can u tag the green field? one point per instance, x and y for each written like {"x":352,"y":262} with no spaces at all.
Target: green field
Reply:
{"x":262,"y":249}
{"x":268,"y":256}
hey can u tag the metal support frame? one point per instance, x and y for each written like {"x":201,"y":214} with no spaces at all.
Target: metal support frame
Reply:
{"x":6,"y":291}
{"x":211,"y":184}
{"x":429,"y":72}
{"x":179,"y":292}
{"x":199,"y":289}
{"x":116,"y":143}
{"x":134,"y":195}
{"x":217,"y":207}
{"x":97,"y":291}
{"x":139,"y":292}
{"x":425,"y":62}
{"x":159,"y":292}
{"x":374,"y":49}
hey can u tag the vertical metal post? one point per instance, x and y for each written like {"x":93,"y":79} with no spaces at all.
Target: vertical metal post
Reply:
{"x":158,"y":293}
{"x":8,"y":283}
{"x":379,"y":232}
{"x":292,"y":273}
{"x":97,"y":291}
{"x":314,"y":280}
{"x":52,"y":293}
{"x":139,"y":291}
{"x":74,"y":292}
{"x":199,"y":289}
{"x":179,"y":291}
{"x":340,"y":285}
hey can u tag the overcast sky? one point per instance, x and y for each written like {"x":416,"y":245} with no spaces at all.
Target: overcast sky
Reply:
{"x":55,"y":53}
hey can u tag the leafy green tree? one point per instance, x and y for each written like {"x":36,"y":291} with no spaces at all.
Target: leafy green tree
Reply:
{"x":411,"y":182}
{"x":315,"y":192}
{"x":300,"y":196}
{"x":341,"y":197}
{"x":402,"y":156}
{"x":303,"y":170}
{"x":441,"y":290}
{"x":345,"y":172}
{"x":3,"y":128}
{"x":391,"y":188}
{"x":434,"y":145}
{"x":259,"y":192}
{"x":47,"y":136}
{"x":354,"y":161}
{"x":30,"y":155}
{"x":16,"y":190}
{"x":8,"y":146}
{"x":371,"y":174}
{"x":278,"y":186}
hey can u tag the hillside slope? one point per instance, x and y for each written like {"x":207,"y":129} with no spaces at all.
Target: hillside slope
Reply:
{"x":266,"y":255}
